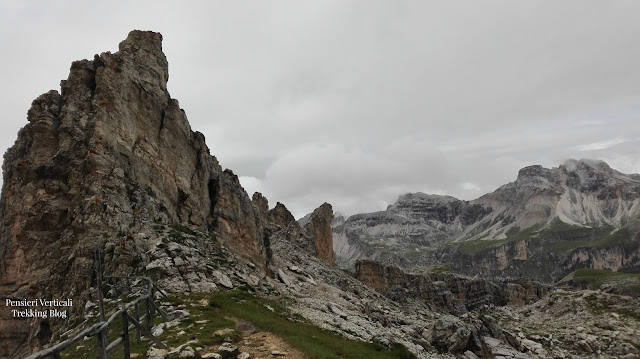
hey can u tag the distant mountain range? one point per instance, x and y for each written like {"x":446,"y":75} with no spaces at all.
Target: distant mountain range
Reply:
{"x":545,"y":224}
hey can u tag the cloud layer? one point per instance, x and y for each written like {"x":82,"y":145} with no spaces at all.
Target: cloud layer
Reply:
{"x":357,"y":102}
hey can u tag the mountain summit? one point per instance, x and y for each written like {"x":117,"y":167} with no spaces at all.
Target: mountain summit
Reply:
{"x":110,"y":162}
{"x":582,"y":214}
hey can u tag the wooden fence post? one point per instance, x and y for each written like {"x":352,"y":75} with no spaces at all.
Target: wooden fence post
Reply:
{"x":125,"y":334}
{"x":102,"y":346}
{"x":137,"y":316}
{"x":149,"y":318}
{"x":98,"y":266}
{"x":147,"y":333}
{"x":100,"y":329}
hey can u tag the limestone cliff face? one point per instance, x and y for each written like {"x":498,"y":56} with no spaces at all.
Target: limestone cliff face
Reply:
{"x":541,"y":259}
{"x":446,"y":292}
{"x":317,"y":235}
{"x":108,"y":156}
{"x":399,"y":235}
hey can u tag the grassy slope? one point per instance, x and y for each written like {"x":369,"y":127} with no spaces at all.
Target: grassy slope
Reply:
{"x":513,"y":235}
{"x":625,"y":283}
{"x":317,"y":343}
{"x":559,"y":237}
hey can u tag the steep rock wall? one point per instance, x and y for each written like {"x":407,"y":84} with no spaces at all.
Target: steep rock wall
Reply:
{"x":446,"y":291}
{"x":109,"y":155}
{"x":316,"y":234}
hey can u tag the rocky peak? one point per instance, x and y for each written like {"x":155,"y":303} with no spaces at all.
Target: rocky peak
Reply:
{"x":148,"y":41}
{"x":110,"y":156}
{"x":532,"y":171}
{"x":274,"y":219}
{"x":261,"y":203}
{"x":537,"y":178}
{"x":146,"y":48}
{"x":281,"y":215}
{"x":584,"y":175}
{"x":423,"y":206}
{"x":317,"y":235}
{"x":586,"y":164}
{"x":591,"y":175}
{"x":416,"y":198}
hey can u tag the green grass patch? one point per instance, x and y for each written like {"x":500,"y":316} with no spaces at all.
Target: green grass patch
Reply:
{"x":559,"y":237}
{"x":563,"y":237}
{"x":440,"y":269}
{"x":210,"y":313}
{"x":478,"y":245}
{"x":514,"y":234}
{"x":317,"y":343}
{"x":413,"y":254}
{"x":607,"y":305}
{"x":624,"y":283}
{"x":597,"y":277}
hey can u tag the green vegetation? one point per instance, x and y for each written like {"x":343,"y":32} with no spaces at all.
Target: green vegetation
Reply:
{"x":213,"y":312}
{"x":589,"y":238}
{"x":597,"y":277}
{"x":440,"y":269}
{"x":513,"y":235}
{"x":607,"y":305}
{"x":559,"y":237}
{"x":204,"y":321}
{"x":411,"y":254}
{"x":625,"y":283}
{"x":478,"y":245}
{"x":315,"y":342}
{"x":563,"y":237}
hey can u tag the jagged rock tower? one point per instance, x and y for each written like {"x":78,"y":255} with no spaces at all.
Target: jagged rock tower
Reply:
{"x":109,"y":155}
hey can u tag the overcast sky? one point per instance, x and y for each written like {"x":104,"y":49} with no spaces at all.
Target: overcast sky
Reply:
{"x":357,"y":102}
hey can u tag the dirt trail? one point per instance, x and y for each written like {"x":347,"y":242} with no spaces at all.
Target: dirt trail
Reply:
{"x":262,"y":345}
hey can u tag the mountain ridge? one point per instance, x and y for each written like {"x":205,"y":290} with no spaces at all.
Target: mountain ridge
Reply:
{"x":421,"y":229}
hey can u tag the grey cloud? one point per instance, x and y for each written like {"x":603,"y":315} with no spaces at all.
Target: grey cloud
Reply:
{"x":356,"y":102}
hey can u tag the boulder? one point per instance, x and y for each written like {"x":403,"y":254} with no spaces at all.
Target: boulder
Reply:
{"x":228,"y":350}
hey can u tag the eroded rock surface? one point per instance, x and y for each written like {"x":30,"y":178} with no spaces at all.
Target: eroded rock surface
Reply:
{"x":108,"y":157}
{"x":316,"y":233}
{"x":445,"y":291}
